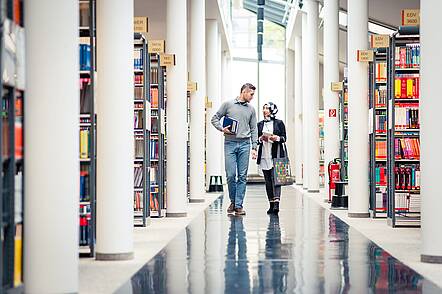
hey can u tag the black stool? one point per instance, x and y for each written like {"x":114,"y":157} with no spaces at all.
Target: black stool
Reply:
{"x":340,"y":200}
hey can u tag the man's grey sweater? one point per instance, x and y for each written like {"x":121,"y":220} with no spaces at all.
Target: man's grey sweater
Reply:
{"x":245,"y":114}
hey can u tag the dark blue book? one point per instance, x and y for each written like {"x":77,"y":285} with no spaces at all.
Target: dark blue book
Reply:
{"x":231,"y":123}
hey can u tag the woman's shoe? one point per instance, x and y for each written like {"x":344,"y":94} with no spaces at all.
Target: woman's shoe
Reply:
{"x":276,"y":207}
{"x":272,"y":204}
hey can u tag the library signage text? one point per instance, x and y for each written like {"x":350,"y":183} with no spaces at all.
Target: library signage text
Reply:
{"x":140,"y":24}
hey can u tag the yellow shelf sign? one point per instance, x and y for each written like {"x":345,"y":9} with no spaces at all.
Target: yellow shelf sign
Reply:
{"x":337,"y":86}
{"x":192,"y":86}
{"x":167,"y":59}
{"x":365,"y":55}
{"x":411,"y":17}
{"x":380,"y":41}
{"x":156,"y":46}
{"x":140,"y":24}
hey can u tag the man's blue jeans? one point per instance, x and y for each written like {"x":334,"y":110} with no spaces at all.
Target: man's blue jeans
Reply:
{"x":236,"y":156}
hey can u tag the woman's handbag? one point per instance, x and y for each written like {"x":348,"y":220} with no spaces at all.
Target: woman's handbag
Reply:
{"x":282,"y":169}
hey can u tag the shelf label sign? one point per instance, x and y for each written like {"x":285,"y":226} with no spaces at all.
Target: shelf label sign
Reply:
{"x":191,"y":86}
{"x":140,"y":24}
{"x":365,"y":55}
{"x":208,"y":103}
{"x":337,"y":86}
{"x":411,"y":17}
{"x":380,"y":41}
{"x":332,"y":112}
{"x":167,"y":59}
{"x":156,"y":46}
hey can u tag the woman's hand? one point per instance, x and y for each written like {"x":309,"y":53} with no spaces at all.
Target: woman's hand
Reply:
{"x":264,"y":139}
{"x":274,"y":138}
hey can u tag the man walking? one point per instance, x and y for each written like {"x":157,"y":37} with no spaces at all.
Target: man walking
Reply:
{"x":239,"y":135}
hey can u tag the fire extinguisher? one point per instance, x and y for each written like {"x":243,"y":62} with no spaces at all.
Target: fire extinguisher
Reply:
{"x":334,"y":175}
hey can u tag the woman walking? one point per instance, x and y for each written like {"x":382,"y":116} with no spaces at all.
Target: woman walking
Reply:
{"x":271,"y":136}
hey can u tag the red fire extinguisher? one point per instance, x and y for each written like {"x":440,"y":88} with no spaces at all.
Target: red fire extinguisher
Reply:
{"x":334,"y":175}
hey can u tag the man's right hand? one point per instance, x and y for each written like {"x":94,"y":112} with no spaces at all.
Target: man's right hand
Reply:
{"x":227,"y":131}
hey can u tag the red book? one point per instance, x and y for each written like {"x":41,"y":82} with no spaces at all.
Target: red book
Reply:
{"x":403,"y":87}
{"x":402,"y":57}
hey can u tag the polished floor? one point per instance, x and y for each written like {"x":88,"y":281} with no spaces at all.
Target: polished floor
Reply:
{"x":303,"y":250}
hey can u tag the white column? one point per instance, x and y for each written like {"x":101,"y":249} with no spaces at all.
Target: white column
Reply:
{"x":115,"y":142}
{"x":430,"y":143}
{"x":52,"y":157}
{"x":197,"y":72}
{"x":331,"y":74}
{"x":290,"y":104}
{"x":305,"y":113}
{"x":312,"y":96}
{"x":213,"y":69}
{"x":176,"y":43}
{"x":357,"y":110}
{"x":298,"y":112}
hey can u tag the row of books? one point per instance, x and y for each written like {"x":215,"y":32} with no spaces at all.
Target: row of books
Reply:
{"x":139,"y":146}
{"x":86,"y":95}
{"x":154,"y":124}
{"x":84,"y":143}
{"x":139,"y":80}
{"x":84,"y":185}
{"x":381,"y":72}
{"x":138,"y":105}
{"x":381,"y":123}
{"x":380,"y":96}
{"x":154,"y":97}
{"x":84,"y":14}
{"x":154,"y":175}
{"x":407,"y":177}
{"x":138,"y":93}
{"x":138,"y":176}
{"x":85,"y":57}
{"x":154,"y":75}
{"x":154,"y":203}
{"x":84,"y":230}
{"x":138,"y":202}
{"x":381,"y":175}
{"x":138,"y":119}
{"x":407,"y":202}
{"x":407,"y":56}
{"x":407,"y":86}
{"x":154,"y":149}
{"x":406,"y":148}
{"x":138,"y":58}
{"x":381,"y":199}
{"x":406,"y":116}
{"x":381,"y":150}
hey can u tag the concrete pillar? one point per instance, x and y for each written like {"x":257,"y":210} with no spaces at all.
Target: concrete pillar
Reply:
{"x":197,"y":70}
{"x":298,"y":112}
{"x":290,"y":104}
{"x":358,"y":153}
{"x":213,"y":69}
{"x":176,"y":42}
{"x":115,"y":142}
{"x":305,"y":112}
{"x":52,"y":161}
{"x":331,"y":74}
{"x":431,"y":41}
{"x":311,"y":95}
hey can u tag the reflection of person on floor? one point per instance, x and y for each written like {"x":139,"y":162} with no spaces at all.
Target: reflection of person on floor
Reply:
{"x":274,"y":269}
{"x":236,"y":272}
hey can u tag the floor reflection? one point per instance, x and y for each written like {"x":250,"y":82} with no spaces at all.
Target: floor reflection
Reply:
{"x":303,"y":250}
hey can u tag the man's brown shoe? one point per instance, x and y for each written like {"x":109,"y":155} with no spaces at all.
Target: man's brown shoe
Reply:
{"x":231,"y":209}
{"x":240,"y":211}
